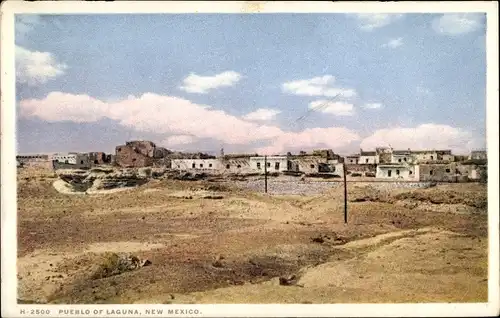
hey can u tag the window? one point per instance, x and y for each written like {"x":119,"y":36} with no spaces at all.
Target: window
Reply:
{"x":228,"y":166}
{"x":193,"y":165}
{"x":258,"y":165}
{"x":397,"y":172}
{"x":81,"y":162}
{"x":239,"y":166}
{"x":389,"y":173}
{"x":96,"y":162}
{"x":312,"y":166}
{"x":134,"y":159}
{"x":411,"y":172}
{"x":277,"y":166}
{"x":448,"y":170}
{"x":431,"y":172}
{"x":399,"y":160}
{"x":66,"y":161}
{"x":366,"y":160}
{"x":119,"y":149}
{"x":269,"y":165}
{"x":178,"y":166}
{"x":432,"y":157}
{"x":210,"y":165}
{"x":201,"y":165}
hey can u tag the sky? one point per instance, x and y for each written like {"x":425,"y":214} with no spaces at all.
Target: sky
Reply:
{"x":265,"y":83}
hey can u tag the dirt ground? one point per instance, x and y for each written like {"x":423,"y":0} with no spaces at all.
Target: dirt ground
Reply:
{"x":209,"y":243}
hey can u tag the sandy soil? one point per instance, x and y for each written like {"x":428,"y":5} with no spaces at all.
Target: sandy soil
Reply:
{"x":211,"y":244}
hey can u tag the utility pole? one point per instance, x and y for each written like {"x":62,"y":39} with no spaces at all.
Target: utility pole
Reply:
{"x":345,"y":195}
{"x":265,"y":173}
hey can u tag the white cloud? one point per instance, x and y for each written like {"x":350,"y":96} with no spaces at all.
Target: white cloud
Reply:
{"x":179,"y":140}
{"x":318,"y":86}
{"x":372,"y":105}
{"x":152,"y":113}
{"x":331,"y":107}
{"x":457,"y":23}
{"x":425,"y":136}
{"x":369,"y":21}
{"x":262,"y":114}
{"x":203,"y":84}
{"x":35,"y":68}
{"x":309,"y":138}
{"x":394,"y":43}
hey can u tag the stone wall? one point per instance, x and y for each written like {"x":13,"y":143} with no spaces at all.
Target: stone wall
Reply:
{"x":129,"y":157}
{"x":361,"y":168}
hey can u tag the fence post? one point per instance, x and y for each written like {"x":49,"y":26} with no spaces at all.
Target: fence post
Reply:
{"x":265,"y":173}
{"x":345,"y":195}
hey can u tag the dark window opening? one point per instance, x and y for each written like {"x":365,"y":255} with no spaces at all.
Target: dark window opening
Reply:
{"x":399,"y":160}
{"x":268,"y":164}
{"x":277,"y":166}
{"x":397,"y":172}
{"x":431,"y":172}
{"x":448,"y":170}
{"x":66,"y":161}
{"x":404,"y":158}
{"x":201,"y":165}
{"x":366,"y":160}
{"x":411,"y":172}
{"x":432,"y":157}
{"x":228,"y":166}
{"x":258,"y":165}
{"x":389,"y":173}
{"x":312,"y":166}
{"x":210,"y":165}
{"x":96,"y":162}
{"x":238,"y":166}
{"x":193,"y":165}
{"x":134,"y":159}
{"x":119,"y":149}
{"x":81,"y":162}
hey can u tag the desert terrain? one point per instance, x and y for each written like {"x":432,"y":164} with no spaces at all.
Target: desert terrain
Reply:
{"x":207,"y":241}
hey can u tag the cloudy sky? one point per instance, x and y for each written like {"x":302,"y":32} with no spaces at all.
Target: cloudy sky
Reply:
{"x":269,"y":83}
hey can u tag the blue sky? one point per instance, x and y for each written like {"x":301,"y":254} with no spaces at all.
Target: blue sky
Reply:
{"x":202,"y":81}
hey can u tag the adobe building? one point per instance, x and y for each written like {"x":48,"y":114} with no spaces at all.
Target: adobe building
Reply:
{"x":135,"y":154}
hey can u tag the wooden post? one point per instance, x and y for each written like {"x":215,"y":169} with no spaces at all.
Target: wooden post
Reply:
{"x":345,"y":195}
{"x":265,"y":173}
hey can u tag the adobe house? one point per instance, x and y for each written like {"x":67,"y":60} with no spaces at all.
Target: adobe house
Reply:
{"x":309,"y":162}
{"x":367,"y":157}
{"x":205,"y":165}
{"x":136,"y":153}
{"x":99,"y":158}
{"x":352,"y":159}
{"x":236,"y":163}
{"x":398,"y":171}
{"x":274,"y":163}
{"x":478,"y":155}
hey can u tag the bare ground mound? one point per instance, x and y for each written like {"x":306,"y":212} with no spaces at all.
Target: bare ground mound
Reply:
{"x":245,"y":247}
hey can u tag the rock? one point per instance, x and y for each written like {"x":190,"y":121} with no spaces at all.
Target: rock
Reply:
{"x":288,"y":281}
{"x":317,"y":239}
{"x":217,"y":264}
{"x":146,"y":262}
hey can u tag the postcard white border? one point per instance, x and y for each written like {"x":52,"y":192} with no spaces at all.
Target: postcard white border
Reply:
{"x":8,"y":168}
